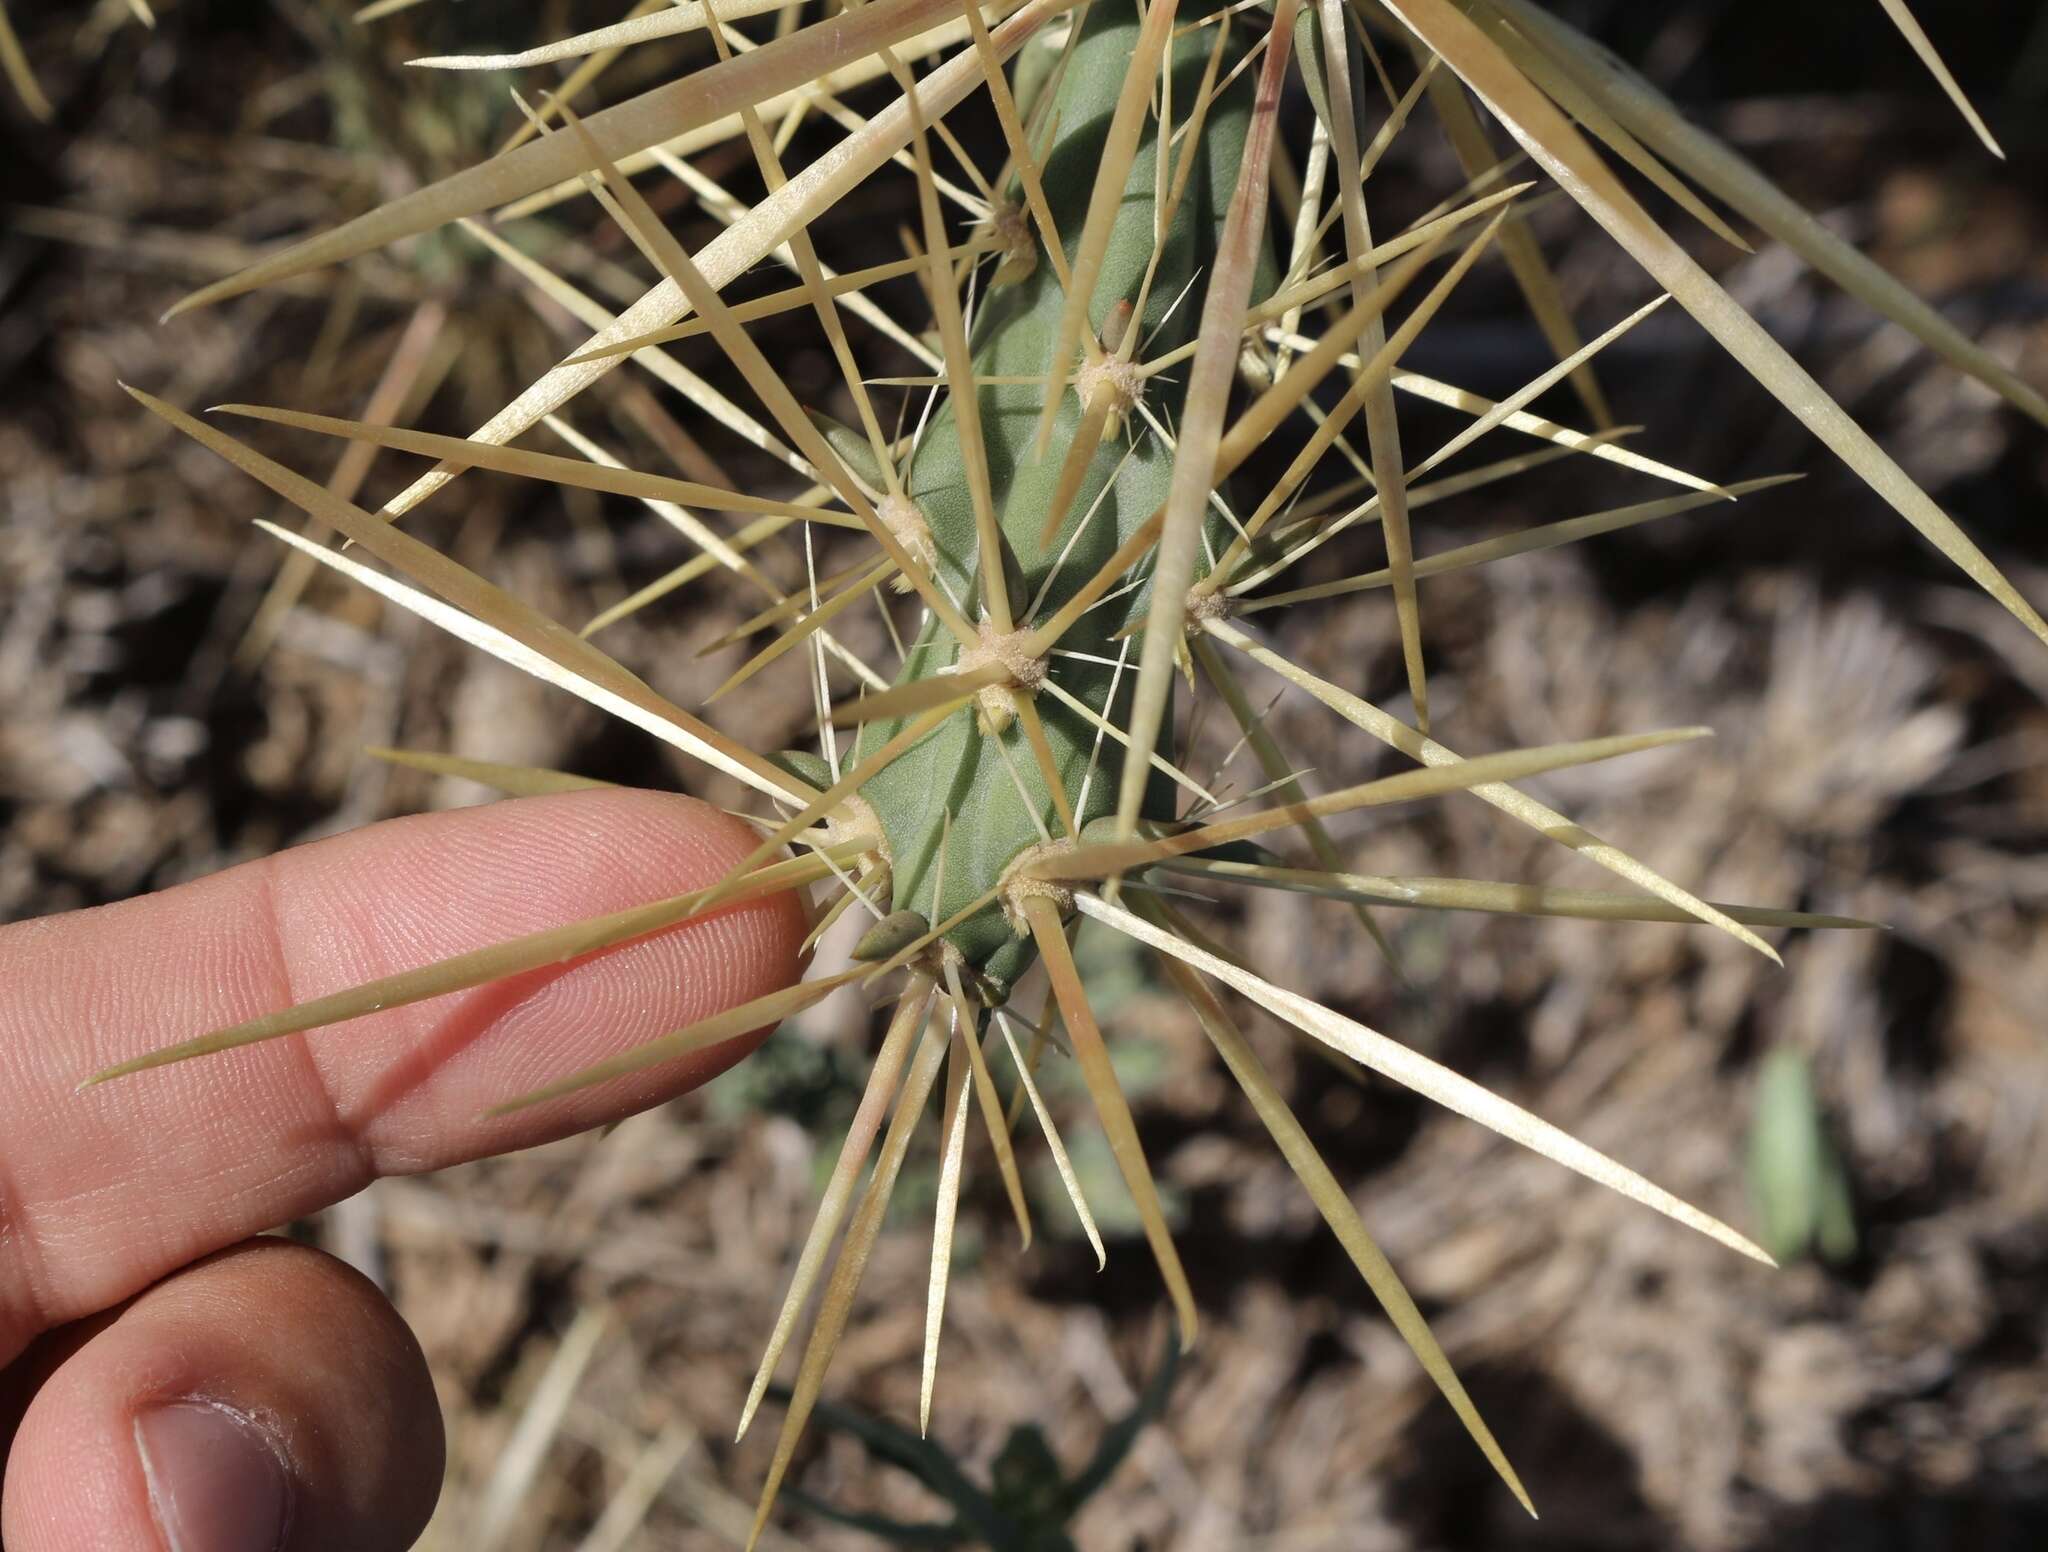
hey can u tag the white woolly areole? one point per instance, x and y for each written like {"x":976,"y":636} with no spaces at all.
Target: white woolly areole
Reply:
{"x":855,"y":820}
{"x":1026,"y":671}
{"x":1018,"y":885}
{"x":905,"y":521}
{"x":1112,"y":374}
{"x":1019,"y":247}
{"x":994,"y":704}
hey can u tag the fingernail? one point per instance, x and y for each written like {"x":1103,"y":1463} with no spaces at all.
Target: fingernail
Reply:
{"x":217,"y":1481}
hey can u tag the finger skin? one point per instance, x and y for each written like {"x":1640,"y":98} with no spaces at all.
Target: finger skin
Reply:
{"x":283,"y":1335}
{"x":104,"y":1191}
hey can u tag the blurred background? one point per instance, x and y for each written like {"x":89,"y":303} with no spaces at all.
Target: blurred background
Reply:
{"x":593,"y":1310}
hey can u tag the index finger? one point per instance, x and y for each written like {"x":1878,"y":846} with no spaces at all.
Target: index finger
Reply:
{"x":104,"y":1191}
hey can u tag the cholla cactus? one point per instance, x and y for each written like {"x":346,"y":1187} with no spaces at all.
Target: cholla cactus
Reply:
{"x":1115,"y":337}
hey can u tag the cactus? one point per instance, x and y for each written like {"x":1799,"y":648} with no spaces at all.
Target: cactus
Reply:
{"x":1118,"y":335}
{"x":1142,"y":276}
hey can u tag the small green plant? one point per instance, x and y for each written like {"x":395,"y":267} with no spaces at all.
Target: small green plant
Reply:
{"x":1798,"y":1184}
{"x":1030,"y":1501}
{"x":1122,"y":330}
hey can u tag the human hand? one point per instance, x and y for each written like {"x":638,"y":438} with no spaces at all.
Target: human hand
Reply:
{"x":167,"y":1382}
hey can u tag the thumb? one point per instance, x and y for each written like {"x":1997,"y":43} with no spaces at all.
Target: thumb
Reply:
{"x":265,"y":1400}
